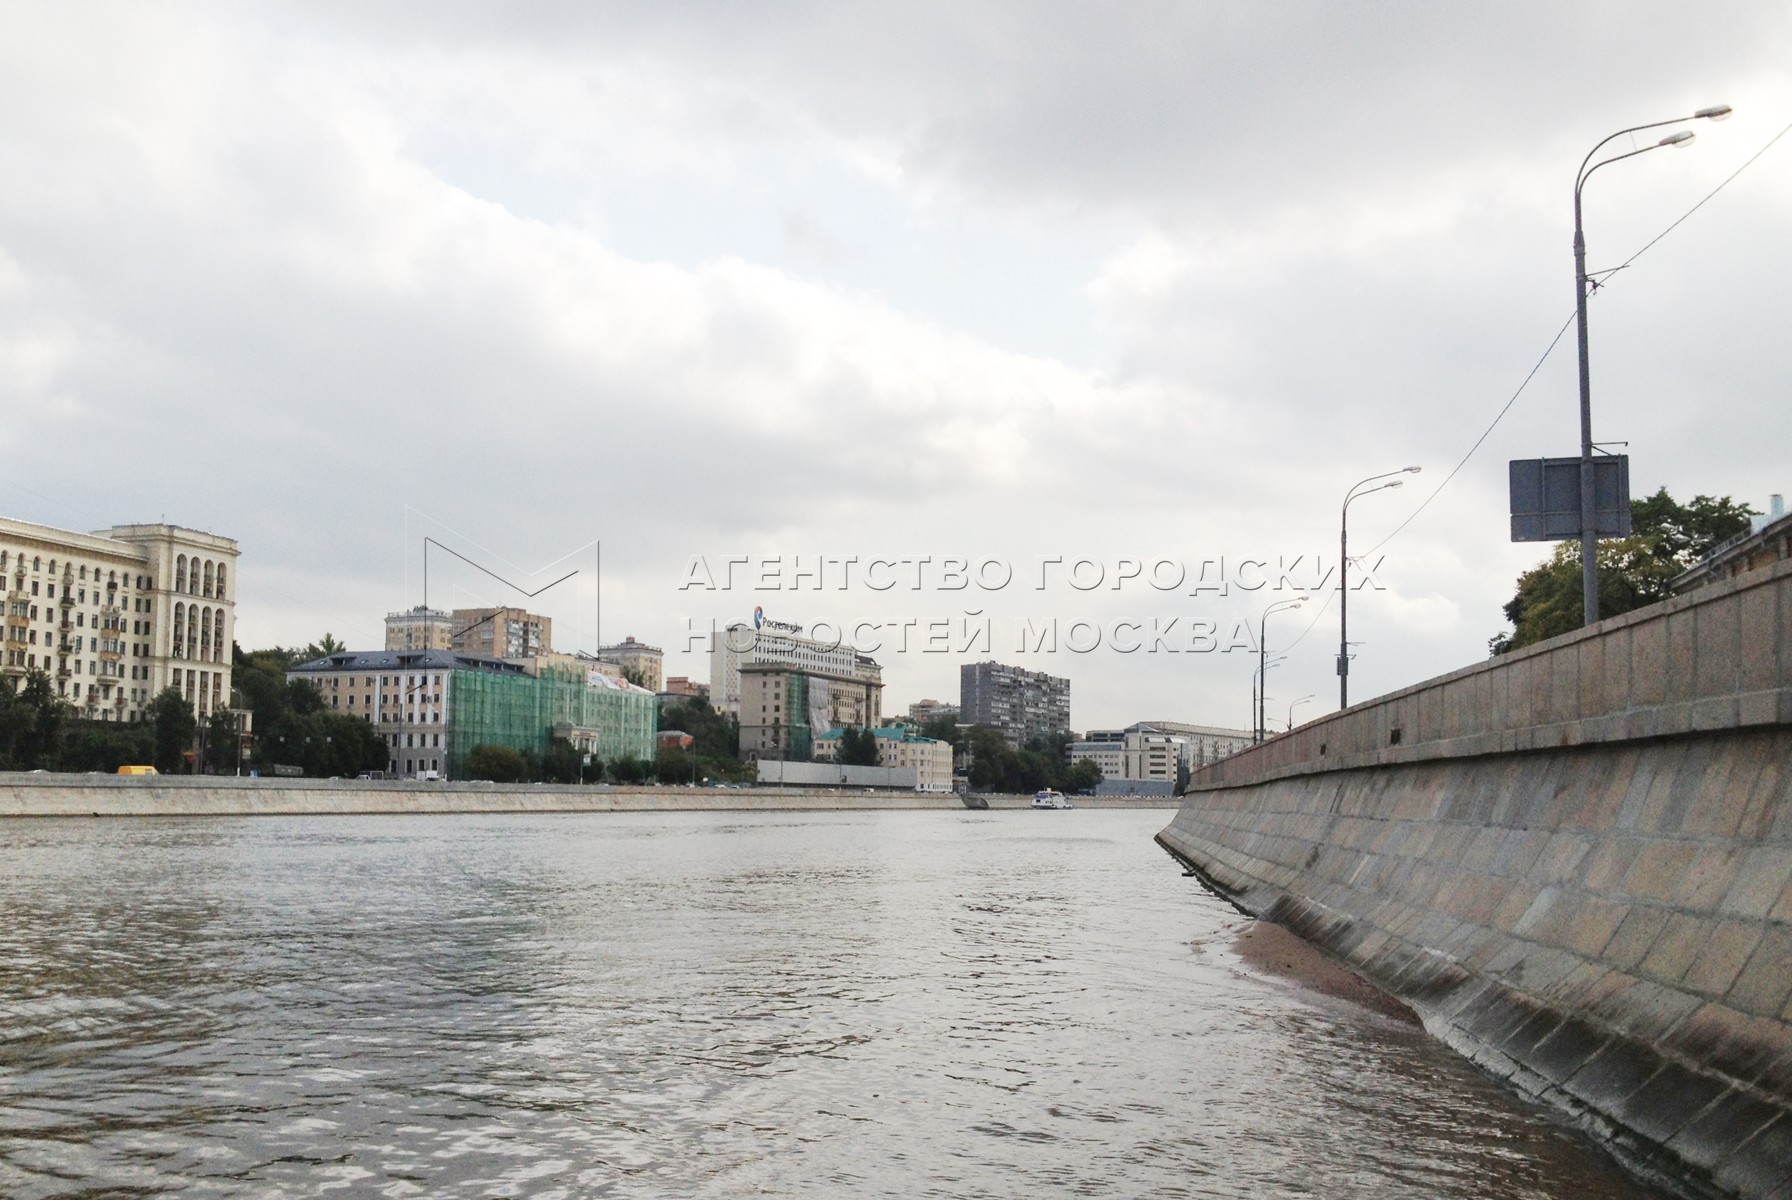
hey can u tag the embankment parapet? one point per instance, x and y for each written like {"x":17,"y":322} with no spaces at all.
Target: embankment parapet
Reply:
{"x":1719,"y":658}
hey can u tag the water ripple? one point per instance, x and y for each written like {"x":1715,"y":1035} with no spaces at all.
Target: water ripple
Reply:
{"x":709,"y":1005}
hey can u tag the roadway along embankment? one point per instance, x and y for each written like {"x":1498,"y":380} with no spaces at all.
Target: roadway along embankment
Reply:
{"x":54,"y":795}
{"x":1574,"y":862}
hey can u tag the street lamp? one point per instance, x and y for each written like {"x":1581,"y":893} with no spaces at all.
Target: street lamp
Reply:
{"x":1583,"y":287}
{"x":1291,"y":709}
{"x":1344,"y":571}
{"x":1263,"y":656}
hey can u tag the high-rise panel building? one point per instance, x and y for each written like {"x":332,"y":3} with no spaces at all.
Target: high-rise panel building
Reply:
{"x":1023,"y":704}
{"x":117,"y":616}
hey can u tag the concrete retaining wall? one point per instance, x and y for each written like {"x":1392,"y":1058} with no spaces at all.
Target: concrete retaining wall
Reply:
{"x":50,"y":795}
{"x":1575,"y":863}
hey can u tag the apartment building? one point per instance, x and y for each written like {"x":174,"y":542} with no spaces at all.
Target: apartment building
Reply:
{"x":1023,"y":704}
{"x":419,"y":629}
{"x":646,"y":662}
{"x":507,"y":633}
{"x":115,"y":617}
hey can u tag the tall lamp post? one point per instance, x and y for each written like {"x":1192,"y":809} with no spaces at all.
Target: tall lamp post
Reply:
{"x":1344,"y":572}
{"x":1583,"y":287}
{"x":1263,"y":656}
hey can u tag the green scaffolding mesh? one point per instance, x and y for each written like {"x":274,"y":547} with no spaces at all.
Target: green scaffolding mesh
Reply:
{"x":802,"y":743}
{"x":520,"y":711}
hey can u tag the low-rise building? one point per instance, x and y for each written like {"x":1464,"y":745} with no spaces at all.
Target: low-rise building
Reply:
{"x":117,"y":616}
{"x":678,"y":687}
{"x":923,"y":711}
{"x":1157,"y":750}
{"x":1106,"y":748}
{"x":433,"y":706}
{"x":929,"y":758}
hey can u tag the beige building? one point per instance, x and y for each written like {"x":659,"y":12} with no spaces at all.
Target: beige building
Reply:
{"x":777,"y":643}
{"x":418,"y":629}
{"x":1157,"y":750}
{"x":646,"y":662}
{"x":929,"y":758}
{"x":115,"y":617}
{"x":578,"y":664}
{"x":500,"y":632}
{"x":923,"y":711}
{"x":783,"y":709}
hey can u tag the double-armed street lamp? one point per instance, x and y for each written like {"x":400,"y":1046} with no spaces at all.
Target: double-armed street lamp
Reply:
{"x":1263,"y":657}
{"x":1355,"y":493}
{"x":1291,"y":709}
{"x":1583,"y":287}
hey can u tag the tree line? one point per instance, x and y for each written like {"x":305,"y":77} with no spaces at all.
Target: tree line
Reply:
{"x":997,"y":765}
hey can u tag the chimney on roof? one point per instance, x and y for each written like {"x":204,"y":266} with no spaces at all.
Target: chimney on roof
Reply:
{"x":1776,"y":507}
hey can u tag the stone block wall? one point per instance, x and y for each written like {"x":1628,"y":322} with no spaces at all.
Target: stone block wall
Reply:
{"x":1575,"y":863}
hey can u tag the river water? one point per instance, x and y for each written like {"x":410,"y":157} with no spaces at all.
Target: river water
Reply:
{"x":1007,"y":1004}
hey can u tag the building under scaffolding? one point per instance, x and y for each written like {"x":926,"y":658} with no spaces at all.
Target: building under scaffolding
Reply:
{"x":432,"y":707}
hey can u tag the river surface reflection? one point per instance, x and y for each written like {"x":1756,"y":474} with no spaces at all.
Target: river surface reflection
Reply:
{"x":1007,"y":1004}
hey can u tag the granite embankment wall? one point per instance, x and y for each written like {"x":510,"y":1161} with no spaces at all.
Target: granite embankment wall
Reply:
{"x":1575,"y":862}
{"x":49,"y":795}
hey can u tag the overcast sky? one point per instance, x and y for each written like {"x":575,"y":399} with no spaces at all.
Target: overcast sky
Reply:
{"x":1001,"y":282}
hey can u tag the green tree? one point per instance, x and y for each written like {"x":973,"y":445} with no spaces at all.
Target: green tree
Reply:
{"x":676,"y":765}
{"x":1083,"y":776}
{"x":858,"y":747}
{"x":943,"y":729}
{"x":44,"y":716}
{"x":221,"y":742}
{"x":499,"y":764}
{"x":1666,"y":538}
{"x":716,"y":737}
{"x":175,"y":725}
{"x":629,"y":769}
{"x":562,"y":763}
{"x":106,"y":746}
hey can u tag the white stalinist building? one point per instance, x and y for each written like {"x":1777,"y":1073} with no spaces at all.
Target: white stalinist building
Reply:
{"x":116,"y":616}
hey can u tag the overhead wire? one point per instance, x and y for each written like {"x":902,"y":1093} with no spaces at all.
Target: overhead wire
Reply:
{"x":1554,"y":342}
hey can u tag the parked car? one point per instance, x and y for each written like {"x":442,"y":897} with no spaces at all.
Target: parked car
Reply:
{"x":138,"y":771}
